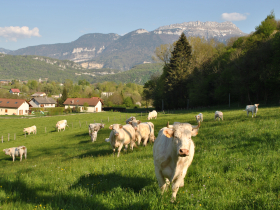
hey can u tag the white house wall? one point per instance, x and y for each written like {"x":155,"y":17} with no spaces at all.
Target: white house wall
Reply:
{"x":10,"y":111}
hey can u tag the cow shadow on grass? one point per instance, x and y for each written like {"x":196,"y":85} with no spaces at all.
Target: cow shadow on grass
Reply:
{"x":43,"y":196}
{"x":112,"y":182}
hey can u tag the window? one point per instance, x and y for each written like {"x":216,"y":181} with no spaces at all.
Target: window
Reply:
{"x":15,"y":102}
{"x":6,"y":110}
{"x":8,"y":102}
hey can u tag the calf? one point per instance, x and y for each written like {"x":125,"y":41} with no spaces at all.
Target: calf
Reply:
{"x":121,"y":136}
{"x":219,"y":114}
{"x":173,"y":153}
{"x":252,"y":108}
{"x":93,"y":128}
{"x":16,"y":151}
{"x":199,"y":117}
{"x":61,"y":126}
{"x":143,"y":131}
{"x":31,"y":129}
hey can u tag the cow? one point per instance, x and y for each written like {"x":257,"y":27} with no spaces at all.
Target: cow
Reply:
{"x":143,"y":131}
{"x":130,"y":119}
{"x":121,"y":136}
{"x":152,"y":115}
{"x":173,"y":153}
{"x":93,"y":128}
{"x":253,"y":109}
{"x":61,"y":126}
{"x":219,"y":114}
{"x":62,"y":121}
{"x":199,"y":117}
{"x":31,"y":129}
{"x":16,"y":151}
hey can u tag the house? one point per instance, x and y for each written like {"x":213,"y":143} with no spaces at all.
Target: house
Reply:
{"x":107,"y":94}
{"x":14,"y":91}
{"x":38,"y":94}
{"x":13,"y":106}
{"x":94,"y":104}
{"x":43,"y":102}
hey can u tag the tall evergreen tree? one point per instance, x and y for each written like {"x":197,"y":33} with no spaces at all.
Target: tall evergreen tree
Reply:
{"x":176,"y":73}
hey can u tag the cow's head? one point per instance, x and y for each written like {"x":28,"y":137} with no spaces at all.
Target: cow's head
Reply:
{"x":116,"y":128}
{"x":135,"y":123}
{"x":7,"y":151}
{"x":181,"y":137}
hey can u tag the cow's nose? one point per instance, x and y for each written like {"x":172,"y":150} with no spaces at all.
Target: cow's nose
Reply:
{"x":116,"y":134}
{"x":183,"y":152}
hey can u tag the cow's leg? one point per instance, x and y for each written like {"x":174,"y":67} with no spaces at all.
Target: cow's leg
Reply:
{"x":20,"y":157}
{"x":119,"y":150}
{"x":138,"y":140}
{"x":175,"y":187}
{"x":161,"y":181}
{"x":13,"y":157}
{"x":145,"y":141}
{"x":125,"y":148}
{"x":247,"y":113}
{"x":25,"y":154}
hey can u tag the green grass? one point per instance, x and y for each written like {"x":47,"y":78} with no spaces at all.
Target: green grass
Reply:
{"x":236,"y":164}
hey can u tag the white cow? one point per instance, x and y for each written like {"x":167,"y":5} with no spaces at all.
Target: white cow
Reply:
{"x":93,"y":128}
{"x":143,"y":131}
{"x":152,"y":115}
{"x":219,"y":114}
{"x":16,"y":151}
{"x":31,"y":129}
{"x":199,"y":117}
{"x":173,"y":153}
{"x":130,"y":119}
{"x":61,"y":126}
{"x":122,"y":136}
{"x":252,"y":108}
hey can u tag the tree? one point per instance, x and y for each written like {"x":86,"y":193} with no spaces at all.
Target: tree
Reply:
{"x":63,"y":97}
{"x":175,"y":74}
{"x":163,"y":53}
{"x":267,"y":26}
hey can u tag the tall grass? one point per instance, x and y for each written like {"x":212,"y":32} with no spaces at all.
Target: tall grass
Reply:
{"x":236,"y":165}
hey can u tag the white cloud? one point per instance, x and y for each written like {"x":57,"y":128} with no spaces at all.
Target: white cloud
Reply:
{"x":13,"y":33}
{"x":234,"y":16}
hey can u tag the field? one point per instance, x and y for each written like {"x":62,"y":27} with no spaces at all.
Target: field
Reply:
{"x":236,"y":164}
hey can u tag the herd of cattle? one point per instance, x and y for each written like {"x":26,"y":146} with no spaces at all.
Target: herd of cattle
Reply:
{"x":173,"y":148}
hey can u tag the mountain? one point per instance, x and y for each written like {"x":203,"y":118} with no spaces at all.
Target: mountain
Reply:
{"x":95,"y":51}
{"x":5,"y":51}
{"x":30,"y":67}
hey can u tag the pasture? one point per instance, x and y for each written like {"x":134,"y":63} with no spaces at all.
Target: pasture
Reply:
{"x":235,"y":166}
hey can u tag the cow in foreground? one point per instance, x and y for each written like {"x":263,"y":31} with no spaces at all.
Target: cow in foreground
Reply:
{"x":219,"y":114}
{"x":252,"y":108}
{"x":93,"y":128}
{"x":130,"y":119}
{"x":199,"y":117}
{"x":32,"y":129}
{"x":173,"y":153}
{"x":143,"y":131}
{"x":16,"y":151}
{"x":152,"y":115}
{"x":122,"y":136}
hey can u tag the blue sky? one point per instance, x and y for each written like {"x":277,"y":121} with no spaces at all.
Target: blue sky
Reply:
{"x":35,"y":22}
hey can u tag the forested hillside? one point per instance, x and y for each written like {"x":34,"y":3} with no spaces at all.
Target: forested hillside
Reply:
{"x":248,"y":69}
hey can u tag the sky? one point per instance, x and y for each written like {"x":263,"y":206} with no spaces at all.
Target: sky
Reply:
{"x":35,"y":22}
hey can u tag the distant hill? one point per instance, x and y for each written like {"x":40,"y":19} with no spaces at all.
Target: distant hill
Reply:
{"x":95,"y":51}
{"x":29,"y":67}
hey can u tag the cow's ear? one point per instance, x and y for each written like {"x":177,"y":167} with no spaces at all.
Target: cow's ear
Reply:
{"x":139,"y":121}
{"x":111,"y":127}
{"x":168,"y":133}
{"x":120,"y":126}
{"x":194,"y":132}
{"x":130,"y":122}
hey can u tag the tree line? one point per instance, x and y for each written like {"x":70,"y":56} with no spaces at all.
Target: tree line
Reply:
{"x":199,"y":72}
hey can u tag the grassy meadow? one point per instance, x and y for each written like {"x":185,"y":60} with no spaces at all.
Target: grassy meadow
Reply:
{"x":236,"y":164}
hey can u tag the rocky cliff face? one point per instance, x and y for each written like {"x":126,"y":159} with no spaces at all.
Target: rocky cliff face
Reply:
{"x":113,"y":51}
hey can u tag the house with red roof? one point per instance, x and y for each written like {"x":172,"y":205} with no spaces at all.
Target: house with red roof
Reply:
{"x":15,"y":91}
{"x":94,"y":104}
{"x":13,"y":106}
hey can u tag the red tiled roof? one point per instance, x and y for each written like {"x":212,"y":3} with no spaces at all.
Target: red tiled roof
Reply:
{"x":80,"y":101}
{"x":14,"y":90}
{"x":11,"y":103}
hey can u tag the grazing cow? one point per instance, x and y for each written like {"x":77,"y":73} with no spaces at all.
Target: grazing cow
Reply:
{"x":122,"y":136}
{"x":152,"y":115}
{"x":143,"y":131}
{"x":219,"y":114}
{"x":61,"y":126}
{"x":173,"y":153}
{"x":93,"y":128}
{"x":16,"y":151}
{"x":199,"y":117}
{"x":130,"y":119}
{"x":32,"y":129}
{"x":61,"y":122}
{"x":252,"y":108}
